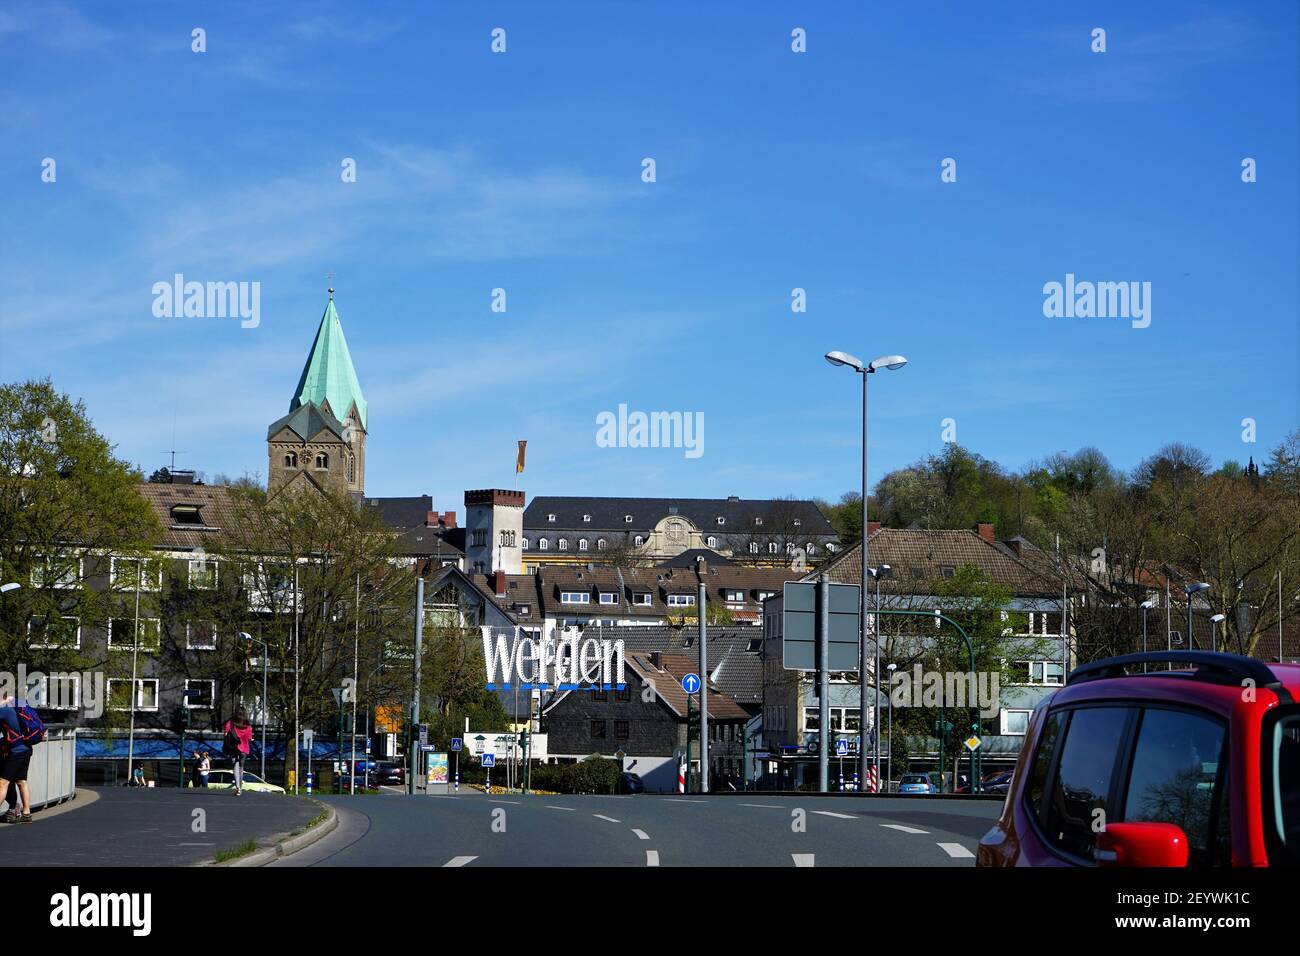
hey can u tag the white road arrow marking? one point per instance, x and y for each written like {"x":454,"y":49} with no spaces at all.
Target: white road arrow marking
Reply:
{"x":651,"y":857}
{"x":803,"y":859}
{"x":459,"y":861}
{"x":601,"y":816}
{"x":903,"y":829}
{"x":957,"y":851}
{"x":640,"y":834}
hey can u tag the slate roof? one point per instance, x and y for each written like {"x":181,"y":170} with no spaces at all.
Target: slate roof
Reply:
{"x":608,"y":514}
{"x":307,"y":421}
{"x":920,"y":557}
{"x":735,"y":658}
{"x":667,"y":674}
{"x":690,"y":557}
{"x":409,"y":512}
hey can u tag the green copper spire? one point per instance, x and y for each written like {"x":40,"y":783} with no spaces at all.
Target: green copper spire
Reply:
{"x":329,"y":376}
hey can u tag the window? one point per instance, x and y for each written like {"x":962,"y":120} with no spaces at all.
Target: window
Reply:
{"x":202,"y":573}
{"x":638,"y":541}
{"x":291,"y":460}
{"x":1175,"y":779}
{"x":600,"y":544}
{"x":200,"y":636}
{"x":524,"y":543}
{"x":1045,"y":672}
{"x":771,"y":547}
{"x":627,"y":519}
{"x":764,"y":595}
{"x":797,"y":522}
{"x":758,"y":522}
{"x":146,"y":694}
{"x":734,"y":595}
{"x":608,"y":597}
{"x":507,"y":539}
{"x":562,"y":544}
{"x":51,"y":633}
{"x":1015,"y":723}
{"x":575,"y":597}
{"x":713,"y":541}
{"x":55,"y":692}
{"x":599,"y":728}
{"x":1079,"y":792}
{"x":753,"y":547}
{"x":582,"y":544}
{"x":352,"y":473}
{"x":322,"y":461}
{"x":947,"y":570}
{"x":121,"y":631}
{"x":622,"y":729}
{"x":186,"y":514}
{"x":642,"y":599}
{"x":810,"y":548}
{"x":63,"y":573}
{"x":551,"y":518}
{"x":543,"y":544}
{"x":1280,"y":783}
{"x":681,"y":600}
{"x":523,"y":610}
{"x":721,"y":521}
{"x":586,"y":519}
{"x":755,"y":645}
{"x":789,"y":549}
{"x":126,"y":572}
{"x":199,"y":694}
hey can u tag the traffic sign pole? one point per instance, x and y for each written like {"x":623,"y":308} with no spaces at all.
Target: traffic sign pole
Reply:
{"x":823,"y":682}
{"x":702,"y":602}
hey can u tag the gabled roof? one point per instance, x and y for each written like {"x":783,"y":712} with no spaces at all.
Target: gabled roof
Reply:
{"x":733,"y":666}
{"x":329,"y":378}
{"x":307,"y":421}
{"x":215,"y":512}
{"x":738,"y":514}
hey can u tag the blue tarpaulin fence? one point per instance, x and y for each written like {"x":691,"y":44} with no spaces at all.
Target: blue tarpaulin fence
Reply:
{"x":163,"y":747}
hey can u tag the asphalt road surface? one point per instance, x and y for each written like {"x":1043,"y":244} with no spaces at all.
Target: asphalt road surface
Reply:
{"x":473,"y":829}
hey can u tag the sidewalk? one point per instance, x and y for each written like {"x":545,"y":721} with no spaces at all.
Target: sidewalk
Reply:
{"x":149,"y":827}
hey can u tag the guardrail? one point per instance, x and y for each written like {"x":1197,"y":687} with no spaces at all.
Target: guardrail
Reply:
{"x":52,"y":774}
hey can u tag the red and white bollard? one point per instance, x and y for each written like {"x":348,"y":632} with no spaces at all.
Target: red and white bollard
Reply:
{"x":681,"y":778}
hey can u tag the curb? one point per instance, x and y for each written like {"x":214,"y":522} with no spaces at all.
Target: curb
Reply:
{"x":283,"y":845}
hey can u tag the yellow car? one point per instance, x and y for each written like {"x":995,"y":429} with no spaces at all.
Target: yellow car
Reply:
{"x":225,"y":780}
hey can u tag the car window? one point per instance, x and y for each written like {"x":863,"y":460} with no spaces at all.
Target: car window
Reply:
{"x":1175,"y":768}
{"x":1282,"y":783}
{"x":1043,"y":761}
{"x":1078,"y":793}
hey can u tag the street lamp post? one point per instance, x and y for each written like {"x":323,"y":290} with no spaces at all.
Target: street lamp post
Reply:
{"x":1146,"y":606}
{"x":266,"y":653}
{"x":890,"y":362}
{"x":1215,"y":621}
{"x":879,"y":574}
{"x":1190,"y":590}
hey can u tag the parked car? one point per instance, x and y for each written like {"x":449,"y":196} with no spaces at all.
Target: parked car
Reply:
{"x":915,"y":783}
{"x":998,"y":782}
{"x":629,"y":782}
{"x":391,"y":773}
{"x":1196,"y":767}
{"x":225,"y":780}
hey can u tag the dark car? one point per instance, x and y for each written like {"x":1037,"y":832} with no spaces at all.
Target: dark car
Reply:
{"x":390,"y":773}
{"x":1155,"y":767}
{"x":998,"y":783}
{"x":630,"y":783}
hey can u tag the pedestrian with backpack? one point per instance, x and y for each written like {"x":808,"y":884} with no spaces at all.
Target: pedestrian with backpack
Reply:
{"x":23,"y":729}
{"x":236,"y":745}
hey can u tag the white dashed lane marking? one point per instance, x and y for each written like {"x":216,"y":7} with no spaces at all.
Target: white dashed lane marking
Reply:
{"x":651,"y":857}
{"x":601,"y":816}
{"x":804,"y":859}
{"x":764,"y":806}
{"x":682,"y":800}
{"x":957,"y":851}
{"x":570,"y":809}
{"x":838,"y":816}
{"x":459,"y":860}
{"x":901,"y":828}
{"x":513,"y":803}
{"x":640,"y":834}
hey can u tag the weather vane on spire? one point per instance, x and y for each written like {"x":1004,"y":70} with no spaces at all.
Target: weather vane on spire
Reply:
{"x":330,"y":275}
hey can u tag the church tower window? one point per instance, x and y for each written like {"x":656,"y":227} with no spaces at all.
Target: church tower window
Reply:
{"x":322,"y":461}
{"x":291,"y":460}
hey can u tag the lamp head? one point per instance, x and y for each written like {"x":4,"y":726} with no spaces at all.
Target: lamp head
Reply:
{"x":1196,"y":588}
{"x":12,"y":586}
{"x":844,"y":358}
{"x":890,"y":362}
{"x":1148,"y":605}
{"x":245,"y":636}
{"x":1217,"y":618}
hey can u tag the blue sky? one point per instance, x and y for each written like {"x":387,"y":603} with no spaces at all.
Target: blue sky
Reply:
{"x":775,"y":170}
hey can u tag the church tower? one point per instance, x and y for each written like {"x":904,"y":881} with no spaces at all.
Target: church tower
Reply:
{"x":322,"y":441}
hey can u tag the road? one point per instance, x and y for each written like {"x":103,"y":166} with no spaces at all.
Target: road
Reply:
{"x":473,"y":829}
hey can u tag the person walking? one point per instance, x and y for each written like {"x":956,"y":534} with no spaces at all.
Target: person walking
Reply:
{"x":22,"y":729}
{"x":237,"y":744}
{"x":205,"y":767}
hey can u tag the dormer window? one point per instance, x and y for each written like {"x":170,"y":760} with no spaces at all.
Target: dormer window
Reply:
{"x":797,"y":522}
{"x":627,"y":519}
{"x":600,"y":544}
{"x":753,"y":547}
{"x":322,"y":461}
{"x":713,"y":541}
{"x":543,"y":544}
{"x":186,"y":514}
{"x":771,"y":547}
{"x":758,"y":521}
{"x":582,"y":544}
{"x":563,"y":544}
{"x":639,"y":540}
{"x":551,"y":518}
{"x":291,"y":460}
{"x":586,"y":519}
{"x":721,"y":521}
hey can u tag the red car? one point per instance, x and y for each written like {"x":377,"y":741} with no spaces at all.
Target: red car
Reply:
{"x":1161,"y":767}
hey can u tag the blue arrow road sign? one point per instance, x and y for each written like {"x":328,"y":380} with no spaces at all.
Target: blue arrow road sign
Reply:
{"x":489,"y":760}
{"x":841,"y":748}
{"x":691,"y":683}
{"x":456,"y":743}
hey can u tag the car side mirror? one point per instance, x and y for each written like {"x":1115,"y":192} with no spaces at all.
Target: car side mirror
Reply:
{"x":1141,"y":844}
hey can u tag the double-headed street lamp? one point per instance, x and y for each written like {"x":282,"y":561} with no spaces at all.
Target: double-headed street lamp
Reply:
{"x":890,"y":362}
{"x":1190,"y":590}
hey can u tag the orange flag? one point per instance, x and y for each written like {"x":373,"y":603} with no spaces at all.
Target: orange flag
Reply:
{"x":519,"y":462}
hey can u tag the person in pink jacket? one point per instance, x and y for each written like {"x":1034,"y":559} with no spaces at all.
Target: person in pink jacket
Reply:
{"x":238,"y":742}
